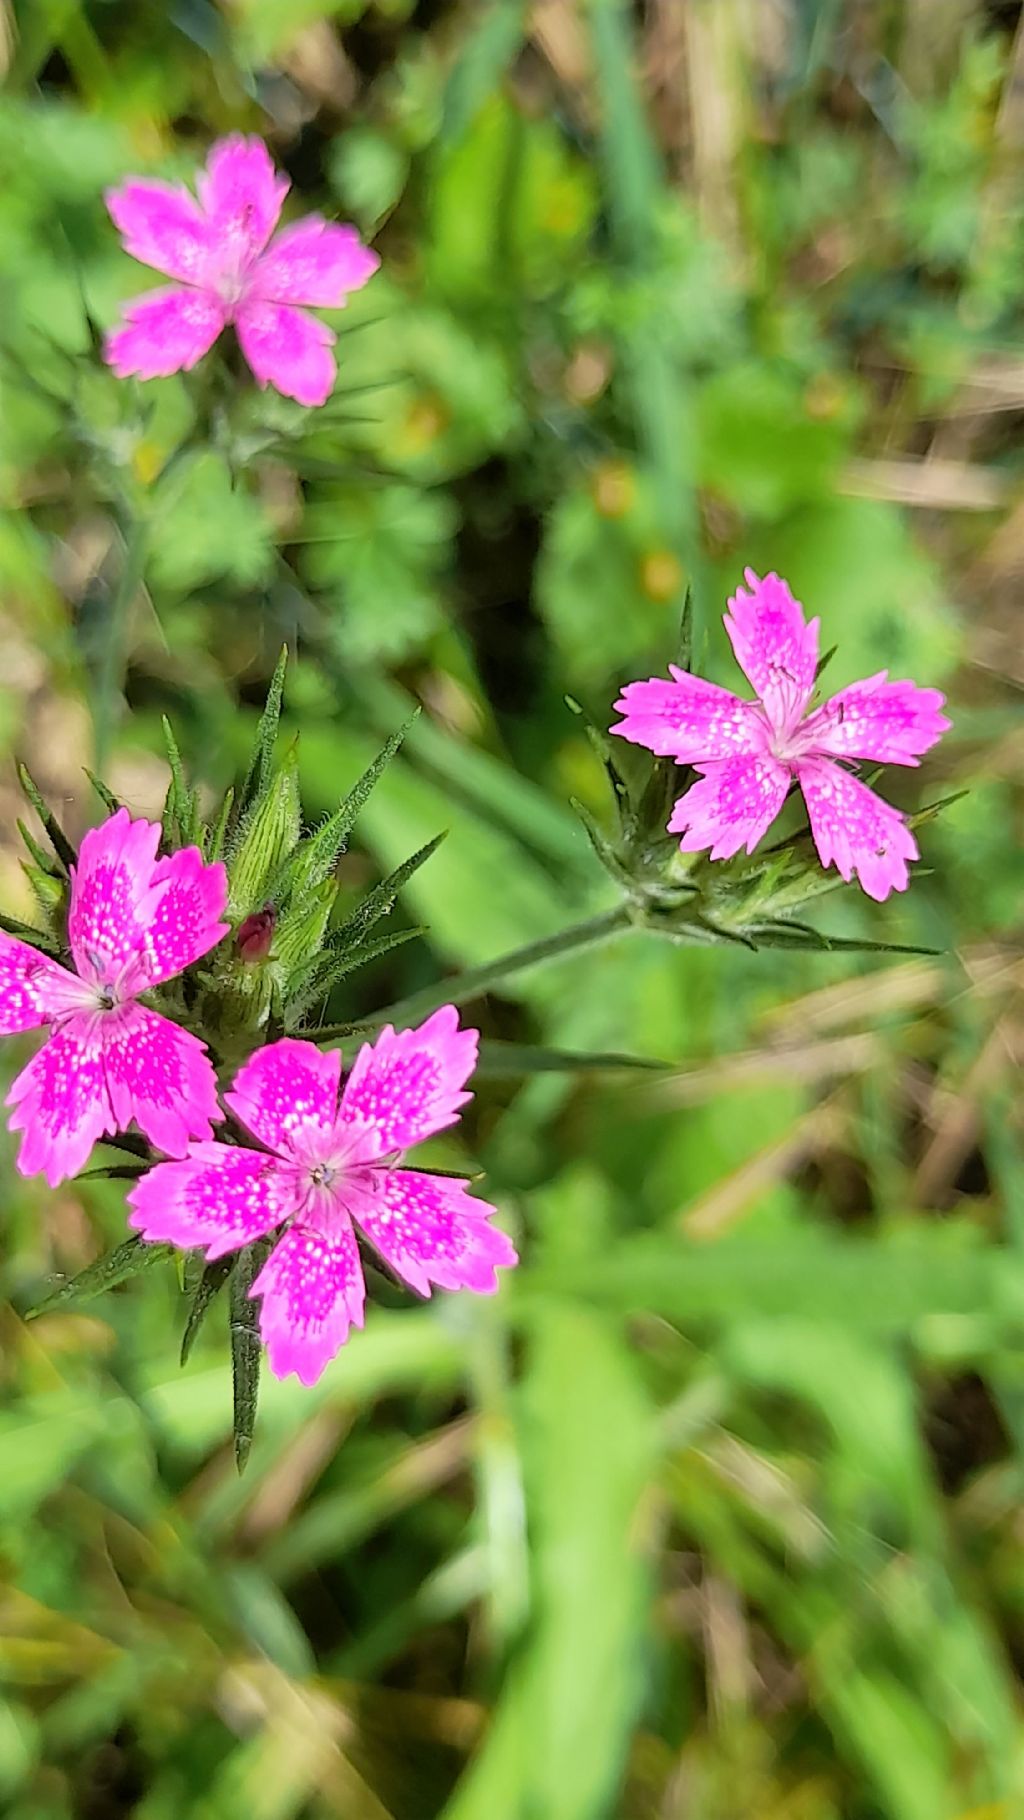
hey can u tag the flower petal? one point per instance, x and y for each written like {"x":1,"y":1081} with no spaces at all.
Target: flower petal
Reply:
{"x":164,"y":332}
{"x":313,"y":1292}
{"x":855,"y":830}
{"x":774,"y":646}
{"x":404,"y":1087}
{"x":160,"y":1076}
{"x":287,"y":1096}
{"x":734,"y":804}
{"x":161,"y":226}
{"x":313,"y":262}
{"x":288,"y":350}
{"x":33,"y":988}
{"x":688,"y":719}
{"x":890,"y":722}
{"x":61,"y":1100}
{"x":431,"y":1230}
{"x":218,"y":1198}
{"x":181,"y":913}
{"x":113,"y":874}
{"x":241,"y":194}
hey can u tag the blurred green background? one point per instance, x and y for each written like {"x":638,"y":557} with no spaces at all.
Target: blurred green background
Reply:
{"x":715,"y":1513}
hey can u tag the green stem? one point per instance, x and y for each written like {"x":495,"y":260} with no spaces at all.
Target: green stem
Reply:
{"x":477,"y":980}
{"x":110,"y":671}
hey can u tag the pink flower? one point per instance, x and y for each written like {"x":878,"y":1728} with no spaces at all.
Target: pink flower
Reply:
{"x":749,"y":753}
{"x":217,"y":251}
{"x":134,"y":921}
{"x":324,"y":1166}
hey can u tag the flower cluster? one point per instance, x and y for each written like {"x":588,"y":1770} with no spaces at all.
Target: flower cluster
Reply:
{"x":216,"y":250}
{"x":135,"y":921}
{"x":748,"y":754}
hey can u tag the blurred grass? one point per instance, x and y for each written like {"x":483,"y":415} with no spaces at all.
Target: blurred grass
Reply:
{"x":715,"y":1512}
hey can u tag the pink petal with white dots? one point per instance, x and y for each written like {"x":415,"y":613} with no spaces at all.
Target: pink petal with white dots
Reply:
{"x":689,"y":719}
{"x":855,"y":830}
{"x":61,"y":1101}
{"x":33,"y":988}
{"x":241,"y":194}
{"x":776,"y":649}
{"x":181,"y":914}
{"x":287,"y":1096}
{"x":313,"y":1292}
{"x":313,"y":262}
{"x":731,"y":807}
{"x":890,"y":722}
{"x":160,"y":1076}
{"x":404,"y":1087}
{"x":287,"y":349}
{"x":164,"y":332}
{"x":113,"y":874}
{"x":162,"y":226}
{"x":219,"y":1198}
{"x":430,"y":1230}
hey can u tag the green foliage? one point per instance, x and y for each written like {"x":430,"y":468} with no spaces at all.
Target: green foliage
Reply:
{"x":715,"y":1508}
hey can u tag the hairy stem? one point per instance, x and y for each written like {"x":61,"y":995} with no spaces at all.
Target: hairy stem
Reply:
{"x":491,"y":974}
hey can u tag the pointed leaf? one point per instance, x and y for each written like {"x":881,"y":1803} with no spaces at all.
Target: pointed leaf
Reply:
{"x":334,"y":969}
{"x":107,"y":798}
{"x":381,"y":900}
{"x":258,"y":775}
{"x":503,"y":1061}
{"x":26,"y":932}
{"x":213,"y":1279}
{"x":322,"y":850}
{"x":246,"y":1355}
{"x":127,"y":1260}
{"x":54,"y":832}
{"x":43,"y":860}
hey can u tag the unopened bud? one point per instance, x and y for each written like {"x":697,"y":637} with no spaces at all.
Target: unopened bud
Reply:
{"x":256,"y":933}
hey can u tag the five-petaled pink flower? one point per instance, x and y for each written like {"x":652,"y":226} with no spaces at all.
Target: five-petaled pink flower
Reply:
{"x":749,"y":753}
{"x":217,"y":251}
{"x":326,"y":1164}
{"x":133,"y":921}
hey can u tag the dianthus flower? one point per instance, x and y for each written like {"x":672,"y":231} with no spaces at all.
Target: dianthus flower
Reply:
{"x":133,"y":922}
{"x":217,"y":250}
{"x":749,"y":753}
{"x":324,"y":1165}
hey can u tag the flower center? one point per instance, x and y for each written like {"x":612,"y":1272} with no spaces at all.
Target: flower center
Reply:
{"x":324,"y":1175}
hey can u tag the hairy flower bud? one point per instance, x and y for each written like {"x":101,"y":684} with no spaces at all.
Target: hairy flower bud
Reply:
{"x":256,"y":933}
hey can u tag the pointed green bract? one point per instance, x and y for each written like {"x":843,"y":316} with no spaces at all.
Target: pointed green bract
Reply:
{"x":54,"y":832}
{"x":265,"y":840}
{"x":246,"y":1356}
{"x":116,"y":1266}
{"x":210,"y":1284}
{"x":257,"y":778}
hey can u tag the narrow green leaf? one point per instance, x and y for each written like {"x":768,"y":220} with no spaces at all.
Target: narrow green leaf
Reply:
{"x":43,"y":860}
{"x":214,"y":1277}
{"x":107,"y":798}
{"x":322,"y":850}
{"x":602,"y":846}
{"x":801,"y":935}
{"x":504,"y":1061}
{"x":257,"y":776}
{"x":36,"y":938}
{"x":381,"y":900}
{"x":127,"y":1260}
{"x":218,"y":832}
{"x":54,"y":832}
{"x":245,"y":1346}
{"x":181,"y":808}
{"x":336,"y":967}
